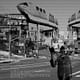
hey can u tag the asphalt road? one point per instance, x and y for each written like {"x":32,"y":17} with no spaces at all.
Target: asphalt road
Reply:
{"x":34,"y":69}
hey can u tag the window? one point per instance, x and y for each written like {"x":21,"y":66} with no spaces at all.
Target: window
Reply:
{"x":44,"y":11}
{"x":41,"y":9}
{"x":73,"y":17}
{"x":37,"y":8}
{"x":32,"y":28}
{"x":78,"y":15}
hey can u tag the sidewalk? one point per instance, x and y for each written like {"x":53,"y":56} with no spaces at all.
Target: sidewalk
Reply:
{"x":43,"y":54}
{"x":4,"y":57}
{"x":17,"y":58}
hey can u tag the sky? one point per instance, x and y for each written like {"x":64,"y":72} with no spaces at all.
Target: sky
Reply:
{"x":61,"y":9}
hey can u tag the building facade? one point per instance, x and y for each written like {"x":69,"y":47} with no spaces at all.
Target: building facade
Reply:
{"x":17,"y":29}
{"x":74,"y":29}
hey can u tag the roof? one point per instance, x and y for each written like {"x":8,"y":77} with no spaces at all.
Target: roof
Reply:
{"x":77,"y":21}
{"x":40,"y":21}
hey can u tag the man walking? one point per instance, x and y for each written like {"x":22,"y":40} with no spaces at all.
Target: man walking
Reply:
{"x":53,"y":56}
{"x":64,"y":68}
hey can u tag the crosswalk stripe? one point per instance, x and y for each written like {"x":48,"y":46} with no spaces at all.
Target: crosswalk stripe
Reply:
{"x":75,"y":73}
{"x":77,"y":76}
{"x":27,"y":66}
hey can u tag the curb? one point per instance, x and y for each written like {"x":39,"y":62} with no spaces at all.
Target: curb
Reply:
{"x":7,"y":61}
{"x":17,"y":60}
{"x":40,"y":57}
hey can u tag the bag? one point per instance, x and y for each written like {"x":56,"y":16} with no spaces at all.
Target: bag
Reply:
{"x":52,"y":63}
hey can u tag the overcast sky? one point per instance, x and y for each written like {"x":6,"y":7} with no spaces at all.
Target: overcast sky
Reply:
{"x":61,"y":9}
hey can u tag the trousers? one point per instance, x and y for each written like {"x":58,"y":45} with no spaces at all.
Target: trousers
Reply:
{"x":62,"y":78}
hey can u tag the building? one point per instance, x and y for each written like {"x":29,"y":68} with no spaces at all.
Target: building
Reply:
{"x":16,"y":29}
{"x":46,"y":24}
{"x":12,"y":29}
{"x":74,"y":29}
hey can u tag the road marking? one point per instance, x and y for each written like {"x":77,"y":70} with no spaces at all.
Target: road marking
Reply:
{"x":77,"y":76}
{"x":40,"y":71}
{"x":27,"y":66}
{"x":75,"y":73}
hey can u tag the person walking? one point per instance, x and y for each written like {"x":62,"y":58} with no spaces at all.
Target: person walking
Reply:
{"x":53,"y":56}
{"x":64,"y":68}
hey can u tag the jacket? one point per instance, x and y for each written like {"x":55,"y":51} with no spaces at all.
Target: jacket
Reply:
{"x":64,"y":65}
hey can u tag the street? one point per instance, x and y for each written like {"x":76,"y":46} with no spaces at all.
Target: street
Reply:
{"x":34,"y":69}
{"x":31,"y":31}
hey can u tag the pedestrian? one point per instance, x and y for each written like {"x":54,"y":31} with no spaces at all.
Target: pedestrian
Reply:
{"x":53,"y":56}
{"x":76,"y":50}
{"x":64,"y":68}
{"x":29,"y":45}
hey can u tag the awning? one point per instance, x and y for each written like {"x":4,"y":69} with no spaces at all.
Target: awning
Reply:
{"x":41,"y":21}
{"x":33,"y":19}
{"x":77,"y":21}
{"x":76,"y":25}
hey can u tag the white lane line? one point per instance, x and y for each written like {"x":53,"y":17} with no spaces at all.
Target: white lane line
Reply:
{"x":40,"y":71}
{"x":75,"y":73}
{"x":27,"y":66}
{"x":77,"y":76}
